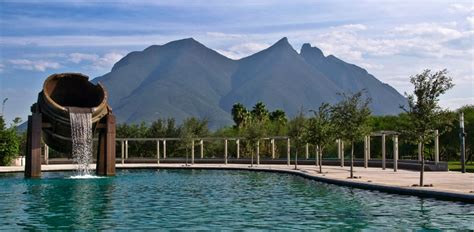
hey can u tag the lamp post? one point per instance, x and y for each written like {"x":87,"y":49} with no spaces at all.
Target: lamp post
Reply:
{"x":462,"y":136}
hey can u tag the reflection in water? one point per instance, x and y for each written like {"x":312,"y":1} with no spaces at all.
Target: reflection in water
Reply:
{"x":214,"y":199}
{"x":61,"y":203}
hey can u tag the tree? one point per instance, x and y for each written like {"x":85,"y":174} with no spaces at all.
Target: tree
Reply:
{"x":260,"y":112}
{"x":239,"y":114}
{"x":277,"y":123}
{"x":423,"y":110}
{"x":320,"y":130}
{"x":253,"y":132}
{"x":351,"y":116}
{"x":189,"y":130}
{"x":296,"y":131}
{"x":9,"y":142}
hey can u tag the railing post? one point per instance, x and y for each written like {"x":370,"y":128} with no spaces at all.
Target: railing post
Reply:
{"x":338,"y":141}
{"x":342,"y":153}
{"x":46,"y":154}
{"x":126,"y":149}
{"x":316,"y":151}
{"x":288,"y":151}
{"x":225,"y":151}
{"x":419,"y":151}
{"x":122,"y":158}
{"x":158,"y":151}
{"x":258,"y":152}
{"x":368,"y":147}
{"x":395,"y":153}
{"x":237,"y":142}
{"x":436,"y":146}
{"x":273,"y":148}
{"x":164,"y":148}
{"x":201,"y":143}
{"x":383,"y":152}
{"x":307,"y":151}
{"x":192,"y":151}
{"x":366,"y":151}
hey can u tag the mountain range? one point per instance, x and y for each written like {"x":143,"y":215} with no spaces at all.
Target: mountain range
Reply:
{"x":184,"y":78}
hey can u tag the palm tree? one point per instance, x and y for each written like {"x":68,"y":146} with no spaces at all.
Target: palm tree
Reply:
{"x":239,"y":114}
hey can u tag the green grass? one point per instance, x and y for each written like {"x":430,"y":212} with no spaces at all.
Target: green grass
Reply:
{"x":456,"y":166}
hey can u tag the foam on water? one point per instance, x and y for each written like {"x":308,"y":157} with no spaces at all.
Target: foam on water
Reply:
{"x":81,"y":134}
{"x":85,"y":177}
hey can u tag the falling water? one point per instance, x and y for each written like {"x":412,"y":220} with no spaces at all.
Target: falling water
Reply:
{"x":81,"y":134}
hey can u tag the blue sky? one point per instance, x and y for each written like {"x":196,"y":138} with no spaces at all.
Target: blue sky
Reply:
{"x":391,"y":39}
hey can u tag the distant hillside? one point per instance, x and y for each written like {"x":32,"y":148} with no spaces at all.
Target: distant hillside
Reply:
{"x":184,"y":78}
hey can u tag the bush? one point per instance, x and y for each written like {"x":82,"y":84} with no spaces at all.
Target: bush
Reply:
{"x":9,"y":143}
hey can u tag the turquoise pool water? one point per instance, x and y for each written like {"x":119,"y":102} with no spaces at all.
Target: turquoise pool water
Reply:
{"x":213,"y":199}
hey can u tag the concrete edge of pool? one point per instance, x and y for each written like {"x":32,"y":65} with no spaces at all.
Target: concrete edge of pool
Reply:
{"x":309,"y":172}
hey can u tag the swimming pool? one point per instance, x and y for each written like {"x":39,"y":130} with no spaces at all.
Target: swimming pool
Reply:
{"x":213,"y":199}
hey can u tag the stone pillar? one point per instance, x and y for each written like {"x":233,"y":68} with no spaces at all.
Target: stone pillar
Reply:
{"x":201,"y":143}
{"x":46,"y":154}
{"x":158,"y":151}
{"x":258,"y":152}
{"x":126,"y":149}
{"x":288,"y":151}
{"x":192,"y":151}
{"x":395,"y":153}
{"x":273,"y":148}
{"x":436,"y":146}
{"x":338,"y":141}
{"x":368,"y":147}
{"x":237,"y":142}
{"x":307,"y":151}
{"x":225,"y":151}
{"x":317,"y":155}
{"x":123,"y":152}
{"x":419,"y":151}
{"x":383,"y":152}
{"x":164,"y":149}
{"x":342,"y":153}
{"x":366,"y":151}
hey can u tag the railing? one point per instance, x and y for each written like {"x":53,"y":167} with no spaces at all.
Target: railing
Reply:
{"x":161,"y":142}
{"x":161,"y":150}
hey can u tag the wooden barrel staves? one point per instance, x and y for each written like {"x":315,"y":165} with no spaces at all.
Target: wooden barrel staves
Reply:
{"x":64,"y":93}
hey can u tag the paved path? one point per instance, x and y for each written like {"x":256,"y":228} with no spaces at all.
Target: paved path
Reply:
{"x":443,"y":182}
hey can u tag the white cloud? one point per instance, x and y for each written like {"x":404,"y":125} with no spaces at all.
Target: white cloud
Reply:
{"x":355,"y":27}
{"x":470,"y":20}
{"x":35,"y":65}
{"x":224,"y":35}
{"x":79,"y":57}
{"x":2,"y":67}
{"x":460,"y":8}
{"x":243,"y":50}
{"x":107,"y":60}
{"x":431,"y":30}
{"x":456,"y":103}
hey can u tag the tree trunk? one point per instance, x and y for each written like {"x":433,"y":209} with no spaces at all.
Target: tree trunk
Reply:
{"x":352,"y":159}
{"x":320,"y":160}
{"x":422,"y":169}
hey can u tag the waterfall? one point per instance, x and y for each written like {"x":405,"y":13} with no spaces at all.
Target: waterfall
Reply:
{"x":81,"y":134}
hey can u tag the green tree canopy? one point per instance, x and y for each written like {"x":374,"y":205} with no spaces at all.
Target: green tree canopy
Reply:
{"x":424,"y":113}
{"x":351,"y":116}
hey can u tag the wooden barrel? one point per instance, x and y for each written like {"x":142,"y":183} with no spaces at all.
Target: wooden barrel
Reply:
{"x":63,"y":93}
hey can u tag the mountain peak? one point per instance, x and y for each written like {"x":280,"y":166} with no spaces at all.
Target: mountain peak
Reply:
{"x":306,"y":49}
{"x":282,"y":43}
